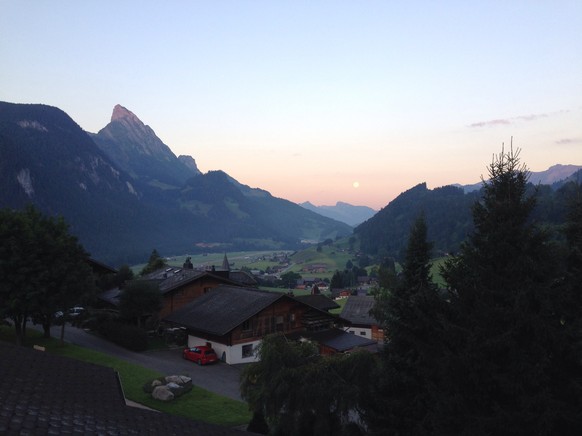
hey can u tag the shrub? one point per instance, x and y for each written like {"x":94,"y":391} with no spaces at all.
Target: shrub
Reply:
{"x":127,"y":336}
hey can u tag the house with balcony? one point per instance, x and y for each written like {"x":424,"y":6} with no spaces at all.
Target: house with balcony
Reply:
{"x":233,"y":321}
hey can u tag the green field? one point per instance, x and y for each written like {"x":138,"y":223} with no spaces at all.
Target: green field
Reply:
{"x":238,"y":259}
{"x":198,"y":404}
{"x":333,"y":257}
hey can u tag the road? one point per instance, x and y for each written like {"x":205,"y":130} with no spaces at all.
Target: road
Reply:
{"x":220,"y":378}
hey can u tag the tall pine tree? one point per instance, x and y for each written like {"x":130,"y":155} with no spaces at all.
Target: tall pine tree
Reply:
{"x":504,"y":342}
{"x":410,"y":314}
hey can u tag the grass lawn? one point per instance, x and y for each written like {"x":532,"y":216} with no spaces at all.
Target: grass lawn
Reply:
{"x":341,"y":302}
{"x":435,"y":271}
{"x":237,"y":259}
{"x":333,"y":257}
{"x":198,"y":404}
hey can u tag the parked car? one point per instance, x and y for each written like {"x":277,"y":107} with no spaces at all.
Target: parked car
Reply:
{"x":73,"y":312}
{"x":202,"y":355}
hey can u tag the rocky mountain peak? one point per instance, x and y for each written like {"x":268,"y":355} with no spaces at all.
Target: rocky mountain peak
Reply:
{"x":119,"y":112}
{"x":190,"y":162}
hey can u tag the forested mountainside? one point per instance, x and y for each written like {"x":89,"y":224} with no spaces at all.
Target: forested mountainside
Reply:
{"x":447,"y":213}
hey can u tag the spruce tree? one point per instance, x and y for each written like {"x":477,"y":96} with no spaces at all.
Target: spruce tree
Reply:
{"x":501,"y":353}
{"x":410,"y":314}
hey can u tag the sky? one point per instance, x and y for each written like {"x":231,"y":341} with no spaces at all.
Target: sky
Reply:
{"x":319,"y":101}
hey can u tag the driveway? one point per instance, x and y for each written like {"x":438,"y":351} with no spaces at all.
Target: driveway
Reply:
{"x":220,"y":378}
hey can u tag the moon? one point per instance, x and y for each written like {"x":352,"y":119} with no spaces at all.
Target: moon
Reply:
{"x":356,"y":185}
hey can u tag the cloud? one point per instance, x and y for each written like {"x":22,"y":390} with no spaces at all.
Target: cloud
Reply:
{"x":569,"y":141}
{"x":511,"y":120}
{"x":490,"y":123}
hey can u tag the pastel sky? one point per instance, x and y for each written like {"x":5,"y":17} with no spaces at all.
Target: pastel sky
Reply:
{"x":304,"y":98}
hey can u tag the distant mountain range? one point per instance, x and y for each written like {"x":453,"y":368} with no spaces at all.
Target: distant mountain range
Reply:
{"x":355,"y":215}
{"x":124,"y":192}
{"x":344,"y":212}
{"x":554,"y":174}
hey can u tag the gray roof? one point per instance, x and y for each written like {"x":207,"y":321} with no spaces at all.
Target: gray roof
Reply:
{"x":320,"y":302}
{"x":41,"y":393}
{"x":357,"y":310}
{"x":111,"y":296}
{"x":170,"y":278}
{"x":337,"y":339}
{"x":223,"y":308}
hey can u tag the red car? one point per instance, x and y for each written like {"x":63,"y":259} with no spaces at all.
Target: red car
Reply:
{"x":202,"y":355}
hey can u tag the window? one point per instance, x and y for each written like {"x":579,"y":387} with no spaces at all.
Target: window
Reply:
{"x":352,"y":332}
{"x":247,"y":350}
{"x":246,"y":325}
{"x":362,"y":333}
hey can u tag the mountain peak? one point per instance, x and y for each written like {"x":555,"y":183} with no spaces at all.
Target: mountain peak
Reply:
{"x":120,"y":112}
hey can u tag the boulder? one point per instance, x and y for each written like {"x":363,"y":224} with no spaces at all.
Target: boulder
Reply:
{"x":178,"y":379}
{"x":162,"y":393}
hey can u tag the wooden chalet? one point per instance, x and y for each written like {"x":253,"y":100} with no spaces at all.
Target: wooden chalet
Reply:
{"x":180,"y":286}
{"x":234,"y":320}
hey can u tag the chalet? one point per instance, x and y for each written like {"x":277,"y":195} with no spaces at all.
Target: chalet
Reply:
{"x":362,"y":323}
{"x":180,"y":286}
{"x":234,"y":320}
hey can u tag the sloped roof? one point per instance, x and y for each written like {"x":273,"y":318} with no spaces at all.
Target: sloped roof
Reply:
{"x":222,"y":309}
{"x":337,"y":339}
{"x":100,"y":267}
{"x":357,"y":310}
{"x":242,"y":277}
{"x":320,"y":302}
{"x":172,"y":278}
{"x":110,"y":296}
{"x":41,"y":393}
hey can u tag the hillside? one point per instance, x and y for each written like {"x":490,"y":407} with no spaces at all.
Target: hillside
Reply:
{"x":448,"y":216}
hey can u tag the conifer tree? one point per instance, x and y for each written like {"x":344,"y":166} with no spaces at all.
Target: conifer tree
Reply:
{"x":502,"y":358}
{"x":410,"y":315}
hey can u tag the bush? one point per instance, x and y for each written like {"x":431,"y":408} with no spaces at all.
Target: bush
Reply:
{"x":127,"y":336}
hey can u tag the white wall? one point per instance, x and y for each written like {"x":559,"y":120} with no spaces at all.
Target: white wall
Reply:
{"x":367,"y":332}
{"x":232,"y":354}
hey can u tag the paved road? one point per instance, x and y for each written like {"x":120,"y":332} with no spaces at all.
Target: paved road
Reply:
{"x":220,"y":378}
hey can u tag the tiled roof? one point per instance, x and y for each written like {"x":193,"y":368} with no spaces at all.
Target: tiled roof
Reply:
{"x":41,"y":393}
{"x":320,"y":302}
{"x":357,"y":310}
{"x":223,"y":308}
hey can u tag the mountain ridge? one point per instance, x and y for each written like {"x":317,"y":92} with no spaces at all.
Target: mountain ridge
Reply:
{"x":122,"y":201}
{"x":341,"y":211}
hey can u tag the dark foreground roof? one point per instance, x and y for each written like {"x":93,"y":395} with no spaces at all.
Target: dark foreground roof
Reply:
{"x":41,"y":393}
{"x":222,"y":309}
{"x":357,"y":310}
